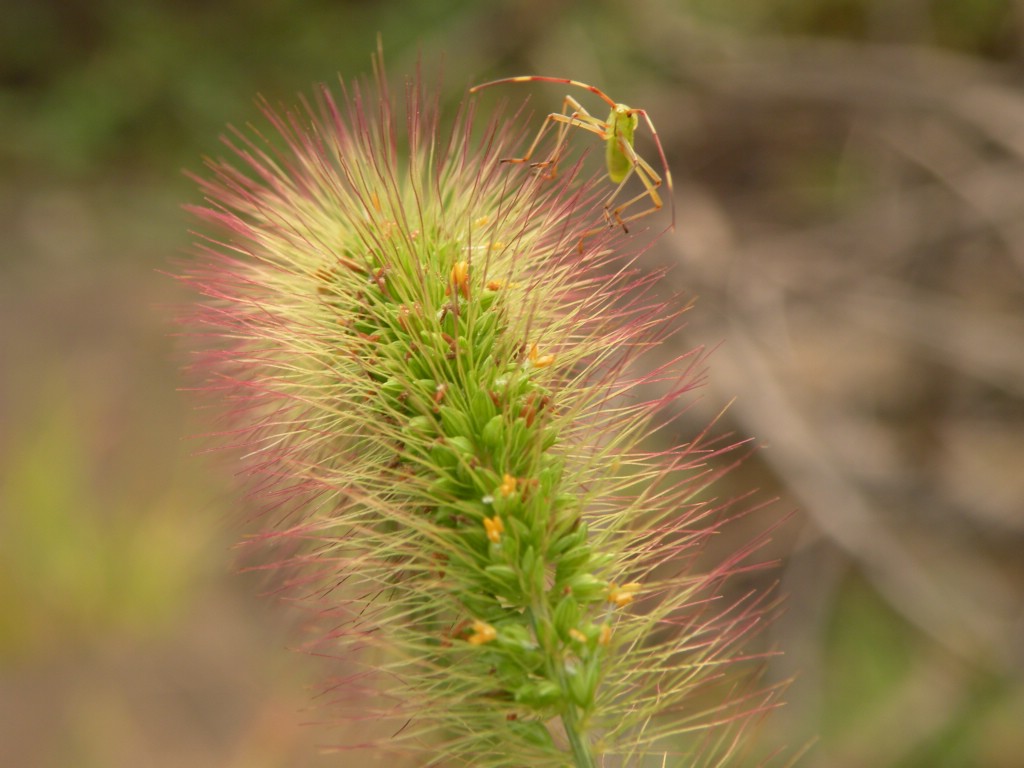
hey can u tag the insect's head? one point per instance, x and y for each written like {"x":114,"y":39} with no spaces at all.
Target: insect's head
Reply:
{"x":622,"y":121}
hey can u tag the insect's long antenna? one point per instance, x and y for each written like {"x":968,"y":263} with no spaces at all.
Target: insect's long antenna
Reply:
{"x":540,"y":78}
{"x":664,"y":161}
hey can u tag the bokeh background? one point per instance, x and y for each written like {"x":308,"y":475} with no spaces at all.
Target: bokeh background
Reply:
{"x":850,"y":212}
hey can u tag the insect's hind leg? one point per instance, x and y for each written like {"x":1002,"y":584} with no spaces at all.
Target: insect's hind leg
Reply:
{"x":648,"y":177}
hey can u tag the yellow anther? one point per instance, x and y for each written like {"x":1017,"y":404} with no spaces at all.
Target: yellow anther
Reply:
{"x":508,"y":485}
{"x":495,"y":285}
{"x":494,"y":528}
{"x":606,"y":635}
{"x":622,"y":596}
{"x":538,"y":360}
{"x":460,"y":278}
{"x":482,"y":633}
{"x":578,"y":636}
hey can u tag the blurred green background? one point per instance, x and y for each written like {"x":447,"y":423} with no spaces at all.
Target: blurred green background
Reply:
{"x":850,"y":198}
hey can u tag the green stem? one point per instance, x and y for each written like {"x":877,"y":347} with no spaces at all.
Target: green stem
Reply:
{"x":580,"y":748}
{"x":582,"y":756}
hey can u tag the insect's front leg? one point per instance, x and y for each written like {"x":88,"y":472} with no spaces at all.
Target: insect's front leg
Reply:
{"x":533,"y":147}
{"x":572,"y":115}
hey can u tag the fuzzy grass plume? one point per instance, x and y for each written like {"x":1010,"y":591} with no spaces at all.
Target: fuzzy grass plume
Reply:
{"x":434,"y":377}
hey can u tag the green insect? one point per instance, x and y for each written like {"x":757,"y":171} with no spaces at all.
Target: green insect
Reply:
{"x":617,"y":132}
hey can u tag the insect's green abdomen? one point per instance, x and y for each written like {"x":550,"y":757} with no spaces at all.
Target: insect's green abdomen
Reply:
{"x":621,"y":124}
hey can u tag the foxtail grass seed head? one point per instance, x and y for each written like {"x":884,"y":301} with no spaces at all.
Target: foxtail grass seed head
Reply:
{"x":432,"y":363}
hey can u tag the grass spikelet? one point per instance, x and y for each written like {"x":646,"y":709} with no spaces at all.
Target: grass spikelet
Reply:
{"x":433,"y":378}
